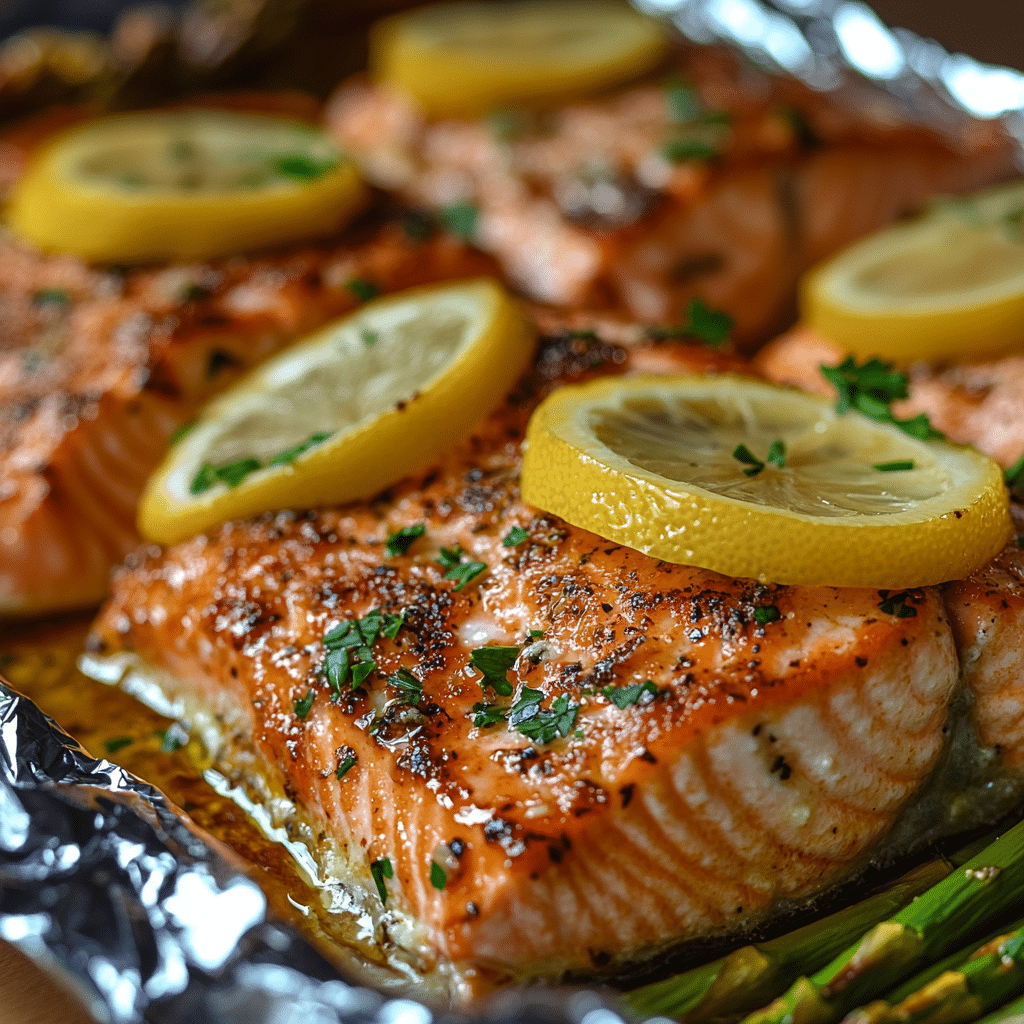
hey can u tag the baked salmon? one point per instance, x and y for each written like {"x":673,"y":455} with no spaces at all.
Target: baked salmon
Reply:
{"x":566,"y":755}
{"x":99,"y":366}
{"x":715,"y":182}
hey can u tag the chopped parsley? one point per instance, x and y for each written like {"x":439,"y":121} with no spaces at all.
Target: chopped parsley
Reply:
{"x":116,"y":743}
{"x":399,"y":542}
{"x":171,"y":739}
{"x":438,"y":875}
{"x":741,"y":453}
{"x":370,"y":338}
{"x":485,"y":715}
{"x":291,"y":454}
{"x":349,"y":647}
{"x":50,"y":297}
{"x":540,"y":724}
{"x":535,"y":634}
{"x":765,"y":613}
{"x":870,"y":389}
{"x":514,"y":537}
{"x":711,"y":326}
{"x":495,"y":663}
{"x":1014,"y":476}
{"x":450,"y":559}
{"x":303,"y":704}
{"x":345,"y":766}
{"x":777,"y":453}
{"x":379,"y":870}
{"x":683,"y":103}
{"x":410,"y":689}
{"x":459,"y":219}
{"x":896,"y":604}
{"x":302,"y":167}
{"x":625,"y":696}
{"x":681,"y":150}
{"x":896,"y":466}
{"x":181,"y":432}
{"x":363,"y":290}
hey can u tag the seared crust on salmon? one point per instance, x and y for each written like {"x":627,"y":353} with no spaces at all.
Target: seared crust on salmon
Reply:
{"x":763,"y":762}
{"x":648,"y":198}
{"x":98,"y":367}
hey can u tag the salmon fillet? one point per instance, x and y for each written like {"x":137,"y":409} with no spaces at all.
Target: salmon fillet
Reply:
{"x":691,"y":768}
{"x":582,"y":206}
{"x":99,"y":366}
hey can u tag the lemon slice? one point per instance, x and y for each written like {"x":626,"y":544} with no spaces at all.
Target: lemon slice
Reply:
{"x":669,"y":466}
{"x":346,"y":412}
{"x":947,"y":286}
{"x":183,"y":185}
{"x":462,"y":59}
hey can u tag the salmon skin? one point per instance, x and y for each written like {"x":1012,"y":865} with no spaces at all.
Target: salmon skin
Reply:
{"x":714,"y":182}
{"x":99,"y":367}
{"x":686,"y":754}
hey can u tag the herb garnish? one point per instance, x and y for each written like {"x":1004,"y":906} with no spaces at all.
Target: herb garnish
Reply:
{"x":410,"y":688}
{"x":540,"y":724}
{"x":171,"y":739}
{"x":535,"y":634}
{"x":50,"y":297}
{"x":711,"y":326}
{"x":438,"y":875}
{"x":681,"y":150}
{"x":348,"y":647}
{"x":514,"y":537}
{"x":495,"y":663}
{"x":363,"y":290}
{"x":302,"y":167}
{"x":896,"y":466}
{"x":485,"y":715}
{"x":116,"y":743}
{"x":450,"y":559}
{"x":399,"y":542}
{"x":345,"y":765}
{"x":1014,"y":476}
{"x":896,"y":604}
{"x":181,"y":431}
{"x":303,"y":704}
{"x":776,"y":456}
{"x":625,"y":696}
{"x":379,"y":870}
{"x":370,"y":338}
{"x":765,"y":613}
{"x":682,"y":101}
{"x":870,"y":389}
{"x":291,"y":454}
{"x":233,"y":473}
{"x":460,"y":219}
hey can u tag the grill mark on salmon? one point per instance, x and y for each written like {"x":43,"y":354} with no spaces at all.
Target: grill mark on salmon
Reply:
{"x":797,"y":176}
{"x":772,"y":764}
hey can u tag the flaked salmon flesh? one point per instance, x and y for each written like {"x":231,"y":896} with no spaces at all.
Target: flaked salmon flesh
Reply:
{"x":714,"y":182}
{"x":782,"y":736}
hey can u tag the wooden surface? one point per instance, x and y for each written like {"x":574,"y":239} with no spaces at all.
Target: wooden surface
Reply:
{"x":27,"y":996}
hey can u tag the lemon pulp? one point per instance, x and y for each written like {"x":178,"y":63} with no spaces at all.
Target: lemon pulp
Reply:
{"x":946,"y":286}
{"x":346,"y":412}
{"x":655,"y":463}
{"x":183,"y":185}
{"x":462,"y":59}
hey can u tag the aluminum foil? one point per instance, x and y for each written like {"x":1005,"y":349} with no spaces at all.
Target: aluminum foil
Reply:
{"x":112,"y":890}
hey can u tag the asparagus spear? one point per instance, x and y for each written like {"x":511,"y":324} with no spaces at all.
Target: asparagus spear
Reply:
{"x":746,"y":978}
{"x":945,"y":917}
{"x":978,"y":980}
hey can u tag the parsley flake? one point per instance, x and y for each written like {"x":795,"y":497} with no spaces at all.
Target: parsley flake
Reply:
{"x":303,"y":704}
{"x":896,"y":466}
{"x":485,"y":715}
{"x":410,"y":689}
{"x":871,"y":388}
{"x":401,"y":540}
{"x":539,"y":724}
{"x":765,"y":613}
{"x":345,"y":766}
{"x":682,"y":101}
{"x":349,"y":647}
{"x":494,"y":663}
{"x":291,"y":454}
{"x":777,"y":453}
{"x":1014,"y":476}
{"x":459,"y":219}
{"x":302,"y":167}
{"x":450,"y":559}
{"x":171,"y":739}
{"x":50,"y":297}
{"x":379,"y":870}
{"x":711,"y":326}
{"x":535,"y":634}
{"x":678,"y":151}
{"x":896,"y":604}
{"x":438,"y":875}
{"x":514,"y":537}
{"x":370,"y":338}
{"x":741,"y":453}
{"x":231,"y":473}
{"x":116,"y":743}
{"x":181,"y":432}
{"x":363,"y":290}
{"x":625,"y":696}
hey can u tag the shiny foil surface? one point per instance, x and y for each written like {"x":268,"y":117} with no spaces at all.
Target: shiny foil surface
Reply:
{"x":111,"y":890}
